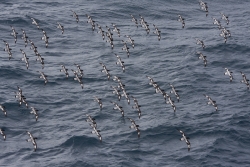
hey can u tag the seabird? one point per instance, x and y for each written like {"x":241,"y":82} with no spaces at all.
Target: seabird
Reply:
{"x":76,"y":16}
{"x":116,"y":29}
{"x":225,"y":18}
{"x":200,"y":42}
{"x":65,"y":70}
{"x":130,"y":40}
{"x":157,"y":32}
{"x":101,"y":31}
{"x":92,"y":120}
{"x":203,"y":58}
{"x":32,"y":139}
{"x":125,"y":94}
{"x":34,"y":22}
{"x":39,"y":58}
{"x":24,"y":37}
{"x":174,"y":92}
{"x":60,"y":27}
{"x":171,"y":102}
{"x":3,"y":109}
{"x":204,"y":6}
{"x":229,"y":73}
{"x":210,"y":101}
{"x":134,"y":20}
{"x":181,"y":20}
{"x":117,"y":92}
{"x":8,"y":49}
{"x":105,"y":70}
{"x":25,"y":58}
{"x":35,"y":112}
{"x":185,"y":138}
{"x":99,"y":101}
{"x":97,"y":132}
{"x":117,"y":107}
{"x":134,"y":126}
{"x":2,"y":133}
{"x":137,"y":106}
{"x":45,"y":38}
{"x":80,"y":71}
{"x":126,"y":48}
{"x":78,"y":78}
{"x":43,"y":76}
{"x":14,"y":33}
{"x":120,"y":62}
{"x":245,"y":80}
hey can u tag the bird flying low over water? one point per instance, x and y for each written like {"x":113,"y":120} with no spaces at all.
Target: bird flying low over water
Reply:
{"x":3,"y":109}
{"x":134,"y":126}
{"x":211,"y":101}
{"x":2,"y":133}
{"x":229,"y":73}
{"x":32,"y":139}
{"x":185,"y":138}
{"x":245,"y":80}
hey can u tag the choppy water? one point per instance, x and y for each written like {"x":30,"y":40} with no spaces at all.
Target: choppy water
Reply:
{"x":64,"y":137}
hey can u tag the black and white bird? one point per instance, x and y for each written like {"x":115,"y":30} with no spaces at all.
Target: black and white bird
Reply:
{"x":35,"y":23}
{"x":24,"y":37}
{"x":204,"y":58}
{"x":7,"y":49}
{"x":97,"y":132}
{"x":35,"y":112}
{"x":204,"y":6}
{"x":120,"y":62}
{"x":100,"y":31}
{"x":171,"y":102}
{"x":78,"y":78}
{"x":157,"y":32}
{"x":99,"y":101}
{"x":229,"y":73}
{"x":126,"y":48}
{"x":185,"y":138}
{"x":60,"y":27}
{"x":32,"y":139}
{"x":2,"y":133}
{"x":130,"y":40}
{"x":40,"y":59}
{"x":200,"y":42}
{"x":25,"y":58}
{"x":116,"y":91}
{"x":45,"y":38}
{"x":44,"y":77}
{"x":105,"y":70}
{"x":211,"y":101}
{"x":65,"y":70}
{"x":75,"y":16}
{"x":91,"y":120}
{"x":3,"y":109}
{"x":182,"y":20}
{"x":135,"y":126}
{"x":14,"y":33}
{"x":245,"y":80}
{"x":117,"y":107}
{"x":174,"y":91}
{"x":134,"y":20}
{"x":116,"y":29}
{"x":79,"y":70}
{"x":224,"y":17}
{"x":137,"y":106}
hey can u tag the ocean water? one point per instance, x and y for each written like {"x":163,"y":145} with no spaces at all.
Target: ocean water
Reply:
{"x":218,"y":138}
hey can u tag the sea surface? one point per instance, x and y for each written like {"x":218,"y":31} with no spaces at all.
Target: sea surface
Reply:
{"x":218,"y":138}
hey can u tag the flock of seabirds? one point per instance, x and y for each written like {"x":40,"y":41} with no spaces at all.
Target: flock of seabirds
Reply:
{"x":119,"y":90}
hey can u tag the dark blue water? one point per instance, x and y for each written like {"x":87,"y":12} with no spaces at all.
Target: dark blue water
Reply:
{"x":64,"y":137}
